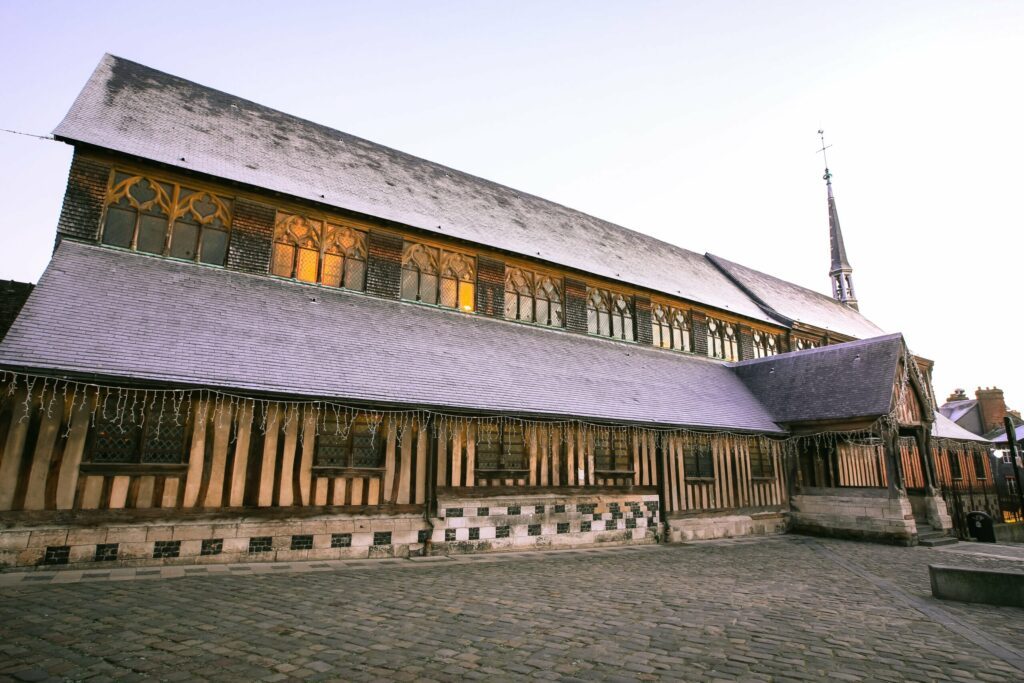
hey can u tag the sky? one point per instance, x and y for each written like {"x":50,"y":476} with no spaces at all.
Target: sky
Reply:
{"x":694,"y":122}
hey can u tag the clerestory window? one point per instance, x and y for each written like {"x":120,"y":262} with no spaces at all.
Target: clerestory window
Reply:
{"x":313,"y":250}
{"x":435,"y":276}
{"x":609,"y":314}
{"x":670,"y":328}
{"x":533,"y":297}
{"x":765,"y":344}
{"x":167,"y":219}
{"x":722,"y":341}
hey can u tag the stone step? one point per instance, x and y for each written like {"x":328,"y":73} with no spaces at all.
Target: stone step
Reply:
{"x":932,"y":542}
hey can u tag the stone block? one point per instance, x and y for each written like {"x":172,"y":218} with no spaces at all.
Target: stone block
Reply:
{"x":224,"y":531}
{"x":190,"y":548}
{"x":124,"y":534}
{"x":47,"y":537}
{"x":487,"y":532}
{"x":364,"y":539}
{"x":84,"y":536}
{"x":321,"y":541}
{"x":82,"y":553}
{"x":340,"y":526}
{"x":30,"y":556}
{"x":314,"y":527}
{"x":235,"y":545}
{"x":192,"y":532}
{"x":14,"y":540}
{"x":135,"y":550}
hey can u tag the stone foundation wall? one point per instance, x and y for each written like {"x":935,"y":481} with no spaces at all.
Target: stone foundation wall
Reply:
{"x":867,"y":514}
{"x":519,"y":522}
{"x":211,"y":540}
{"x":727,"y":525}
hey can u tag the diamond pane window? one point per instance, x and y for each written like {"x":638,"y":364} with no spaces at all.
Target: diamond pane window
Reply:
{"x":349,"y":442}
{"x":611,"y":451}
{"x":433,"y":276}
{"x":533,"y":297}
{"x":500,"y":447}
{"x":761,"y":463}
{"x":698,"y":461}
{"x":166,"y":219}
{"x":134,"y":429}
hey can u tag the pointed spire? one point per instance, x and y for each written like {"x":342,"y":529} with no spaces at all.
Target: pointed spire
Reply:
{"x":841,"y":271}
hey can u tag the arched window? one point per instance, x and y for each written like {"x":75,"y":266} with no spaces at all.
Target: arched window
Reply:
{"x":311,"y":250}
{"x":609,"y":314}
{"x":533,"y":297}
{"x":670,"y":328}
{"x":765,"y":344}
{"x":722,"y":341}
{"x":802,"y":344}
{"x":433,"y":276}
{"x":158,"y":217}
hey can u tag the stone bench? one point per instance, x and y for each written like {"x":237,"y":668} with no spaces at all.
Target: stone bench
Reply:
{"x":989,"y":586}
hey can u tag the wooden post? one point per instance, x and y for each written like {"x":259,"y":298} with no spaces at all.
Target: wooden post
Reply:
{"x":893,"y":470}
{"x":924,"y":454}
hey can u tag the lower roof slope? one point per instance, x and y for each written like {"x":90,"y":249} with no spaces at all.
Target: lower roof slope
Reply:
{"x":113,"y":314}
{"x":797,"y":303}
{"x":839,"y":382}
{"x":944,"y":428}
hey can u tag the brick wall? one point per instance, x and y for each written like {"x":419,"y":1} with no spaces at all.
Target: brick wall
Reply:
{"x":384,"y":264}
{"x":746,"y":342}
{"x":83,"y":199}
{"x":644,"y":334}
{"x":252,"y":236}
{"x":575,"y":305}
{"x":12,"y":298}
{"x":700,"y":333}
{"x":490,"y":287}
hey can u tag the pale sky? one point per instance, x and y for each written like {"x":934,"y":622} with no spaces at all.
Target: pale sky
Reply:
{"x":691,"y":121}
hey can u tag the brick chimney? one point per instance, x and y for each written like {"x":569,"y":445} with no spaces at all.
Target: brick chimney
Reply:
{"x":957,"y":395}
{"x":992,"y":407}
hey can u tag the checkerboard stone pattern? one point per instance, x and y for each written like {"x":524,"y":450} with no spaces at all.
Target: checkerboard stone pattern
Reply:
{"x":466,"y":525}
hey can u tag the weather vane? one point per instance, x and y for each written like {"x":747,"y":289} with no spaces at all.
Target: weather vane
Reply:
{"x":828,"y":174}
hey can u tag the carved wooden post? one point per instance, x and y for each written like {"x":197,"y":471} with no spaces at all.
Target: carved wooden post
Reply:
{"x":894,"y":473}
{"x":924,"y":453}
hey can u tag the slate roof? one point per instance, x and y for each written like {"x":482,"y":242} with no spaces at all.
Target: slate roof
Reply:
{"x":1000,"y":437}
{"x":793,"y":302}
{"x":122,"y":315}
{"x":839,"y":382}
{"x":131,"y":108}
{"x":944,"y":428}
{"x":955,"y":410}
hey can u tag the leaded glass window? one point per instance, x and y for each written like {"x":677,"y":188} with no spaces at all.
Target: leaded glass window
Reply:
{"x":609,"y":314}
{"x":434,"y":276}
{"x":533,"y":297}
{"x":350,"y":443}
{"x":133,"y":430}
{"x":167,"y":219}
{"x":954,"y":465}
{"x":312,"y":250}
{"x":761,"y":463}
{"x":722,"y":340}
{"x":979,"y":465}
{"x":670,"y":328}
{"x":611,"y":451}
{"x":698,"y":461}
{"x":500,"y":446}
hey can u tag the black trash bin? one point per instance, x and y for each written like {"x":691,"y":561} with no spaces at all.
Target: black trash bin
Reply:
{"x":980,"y":526}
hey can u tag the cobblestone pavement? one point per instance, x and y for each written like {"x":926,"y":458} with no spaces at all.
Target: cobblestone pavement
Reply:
{"x":778,"y":609}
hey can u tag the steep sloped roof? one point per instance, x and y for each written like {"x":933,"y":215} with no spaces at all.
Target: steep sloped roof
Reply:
{"x":131,"y":108}
{"x":955,"y":410}
{"x":944,"y":428}
{"x":114,"y":314}
{"x":839,"y":382}
{"x":797,"y":303}
{"x":999,"y":435}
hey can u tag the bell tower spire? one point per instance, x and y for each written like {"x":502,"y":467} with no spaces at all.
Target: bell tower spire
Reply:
{"x":841,"y":272}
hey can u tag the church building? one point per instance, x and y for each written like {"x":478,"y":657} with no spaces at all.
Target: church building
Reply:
{"x":262,"y":338}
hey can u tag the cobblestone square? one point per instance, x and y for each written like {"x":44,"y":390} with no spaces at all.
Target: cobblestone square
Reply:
{"x":776,"y":609}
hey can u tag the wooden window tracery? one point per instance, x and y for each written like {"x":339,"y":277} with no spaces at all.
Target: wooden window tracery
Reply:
{"x":609,"y":314}
{"x":533,"y":297}
{"x":765,"y":344}
{"x":434,"y":276}
{"x":167,"y":219}
{"x":500,"y":447}
{"x":803,"y":344}
{"x":128,"y":432}
{"x":670,"y":328}
{"x":611,"y":451}
{"x":722,"y":340}
{"x":311,"y":250}
{"x":358,"y":444}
